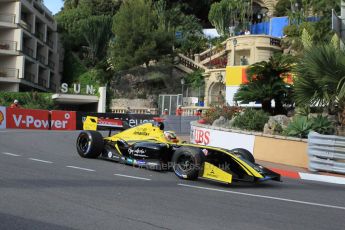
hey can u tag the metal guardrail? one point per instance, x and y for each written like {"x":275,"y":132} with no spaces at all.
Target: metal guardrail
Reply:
{"x":326,"y":153}
{"x":10,"y":18}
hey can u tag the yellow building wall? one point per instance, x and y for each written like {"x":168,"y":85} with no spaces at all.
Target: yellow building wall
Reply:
{"x":288,"y":152}
{"x":235,"y":75}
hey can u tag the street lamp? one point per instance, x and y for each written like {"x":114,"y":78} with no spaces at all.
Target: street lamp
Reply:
{"x":234,"y":42}
{"x":182,"y":84}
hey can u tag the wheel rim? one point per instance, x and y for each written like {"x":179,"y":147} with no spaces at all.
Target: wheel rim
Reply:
{"x":83,"y":143}
{"x":185,"y":163}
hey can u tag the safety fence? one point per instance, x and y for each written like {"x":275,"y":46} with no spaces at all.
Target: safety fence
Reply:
{"x":179,"y":124}
{"x":17,"y":118}
{"x":326,"y":153}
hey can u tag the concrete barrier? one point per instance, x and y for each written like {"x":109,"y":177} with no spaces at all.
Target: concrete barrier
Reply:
{"x":272,"y":148}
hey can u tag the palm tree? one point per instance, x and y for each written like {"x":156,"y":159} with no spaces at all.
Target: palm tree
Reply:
{"x":266,"y":82}
{"x":320,"y":78}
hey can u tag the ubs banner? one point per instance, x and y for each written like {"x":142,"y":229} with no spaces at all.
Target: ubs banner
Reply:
{"x":222,"y":139}
{"x":131,"y":119}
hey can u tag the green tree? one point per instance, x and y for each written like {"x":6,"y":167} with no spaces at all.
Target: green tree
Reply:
{"x":266,"y":82}
{"x":319,"y":31}
{"x":97,"y":33}
{"x":282,"y":8}
{"x":69,"y":24}
{"x":138,"y":38}
{"x":228,"y":12}
{"x":98,"y":7}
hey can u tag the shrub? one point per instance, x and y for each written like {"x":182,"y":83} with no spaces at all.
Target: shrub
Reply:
{"x":251,"y":119}
{"x":322,"y":125}
{"x":216,"y":111}
{"x":29,"y":100}
{"x":300,"y":126}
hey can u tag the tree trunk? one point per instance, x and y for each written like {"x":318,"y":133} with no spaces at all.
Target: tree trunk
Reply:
{"x":266,"y":106}
{"x":278,"y":108}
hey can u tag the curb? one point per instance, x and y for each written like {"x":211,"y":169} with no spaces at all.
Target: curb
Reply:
{"x":309,"y":176}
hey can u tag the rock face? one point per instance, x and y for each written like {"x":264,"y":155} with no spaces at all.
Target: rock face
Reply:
{"x":276,"y":124}
{"x":220,"y":122}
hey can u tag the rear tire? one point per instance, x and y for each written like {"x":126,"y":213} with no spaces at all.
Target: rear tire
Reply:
{"x":89,"y":144}
{"x":187,"y":162}
{"x":244,"y":153}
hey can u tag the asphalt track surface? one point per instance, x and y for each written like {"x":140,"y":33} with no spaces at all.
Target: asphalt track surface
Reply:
{"x":44,"y":184}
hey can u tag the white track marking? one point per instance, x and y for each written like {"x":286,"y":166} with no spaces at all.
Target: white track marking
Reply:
{"x":85,"y":169}
{"x":11,"y":154}
{"x":134,"y":177}
{"x":39,"y":160}
{"x":265,"y":197}
{"x":322,"y":178}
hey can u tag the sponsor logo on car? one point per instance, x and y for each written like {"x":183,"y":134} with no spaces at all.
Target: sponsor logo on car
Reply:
{"x":137,"y":152}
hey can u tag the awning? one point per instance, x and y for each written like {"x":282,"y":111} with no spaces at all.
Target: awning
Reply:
{"x":74,"y":99}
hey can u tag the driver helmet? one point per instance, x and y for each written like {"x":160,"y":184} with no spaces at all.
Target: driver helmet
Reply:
{"x":170,"y":136}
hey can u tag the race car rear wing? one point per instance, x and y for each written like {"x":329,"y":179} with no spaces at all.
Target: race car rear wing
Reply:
{"x":96,"y":123}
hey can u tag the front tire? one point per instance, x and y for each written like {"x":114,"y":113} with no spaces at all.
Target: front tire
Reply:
{"x":244,"y":153}
{"x":89,"y":144}
{"x":187,"y":162}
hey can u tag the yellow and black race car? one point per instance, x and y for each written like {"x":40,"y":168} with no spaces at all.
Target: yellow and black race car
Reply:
{"x":148,"y":145}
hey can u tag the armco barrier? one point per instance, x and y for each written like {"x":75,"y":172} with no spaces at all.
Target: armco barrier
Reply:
{"x":326,"y":153}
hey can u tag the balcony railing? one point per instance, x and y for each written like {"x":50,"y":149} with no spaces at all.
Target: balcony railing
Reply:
{"x":51,"y":64}
{"x":10,"y":18}
{"x":53,"y":86}
{"x":28,"y":51}
{"x":9,"y":72}
{"x":42,"y":82}
{"x":41,"y":59}
{"x":275,"y":42}
{"x":29,"y":76}
{"x":50,"y":43}
{"x":25,"y":25}
{"x":8,"y":45}
{"x":39,"y":35}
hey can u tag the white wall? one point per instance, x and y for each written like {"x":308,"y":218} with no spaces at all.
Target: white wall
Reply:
{"x":222,"y":139}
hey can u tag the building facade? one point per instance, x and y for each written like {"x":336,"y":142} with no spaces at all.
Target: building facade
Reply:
{"x":30,"y":52}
